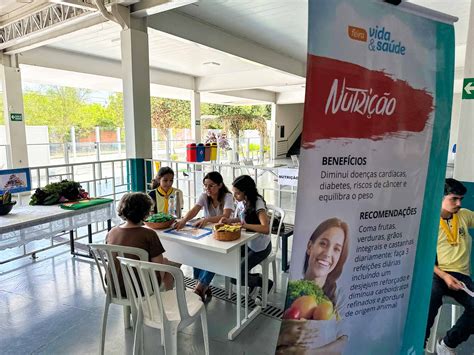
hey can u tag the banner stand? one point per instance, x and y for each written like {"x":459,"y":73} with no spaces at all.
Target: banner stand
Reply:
{"x":374,"y":145}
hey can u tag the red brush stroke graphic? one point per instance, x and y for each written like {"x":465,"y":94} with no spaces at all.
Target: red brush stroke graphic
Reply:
{"x":410,"y":114}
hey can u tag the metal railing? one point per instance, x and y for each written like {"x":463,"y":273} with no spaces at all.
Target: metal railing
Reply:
{"x":189,"y":177}
{"x":109,"y":179}
{"x":112,"y":179}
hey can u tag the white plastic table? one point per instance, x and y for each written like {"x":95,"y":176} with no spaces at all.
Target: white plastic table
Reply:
{"x":27,"y":223}
{"x":223,"y":258}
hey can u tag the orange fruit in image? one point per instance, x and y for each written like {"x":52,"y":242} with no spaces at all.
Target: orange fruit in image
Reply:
{"x":306,"y":306}
{"x":324,"y":311}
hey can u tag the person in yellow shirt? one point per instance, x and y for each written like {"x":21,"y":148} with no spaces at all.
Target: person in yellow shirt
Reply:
{"x":452,"y":269}
{"x":166,"y":198}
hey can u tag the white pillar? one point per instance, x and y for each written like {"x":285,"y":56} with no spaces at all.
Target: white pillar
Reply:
{"x":136,"y":89}
{"x":169,"y":137}
{"x":13,"y":111}
{"x":97,"y":142}
{"x":273,"y":133}
{"x":196,"y":116}
{"x":73,"y":141}
{"x":119,"y":142}
{"x":464,"y":163}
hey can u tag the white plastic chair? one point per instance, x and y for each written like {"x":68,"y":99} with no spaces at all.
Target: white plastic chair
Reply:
{"x":271,"y":259}
{"x":264,"y":264}
{"x":295,"y":161}
{"x":247,"y":166}
{"x":102,"y":254}
{"x":169,"y":311}
{"x":456,"y":310}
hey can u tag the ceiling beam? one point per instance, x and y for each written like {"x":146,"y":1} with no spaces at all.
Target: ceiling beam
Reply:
{"x":250,"y":79}
{"x":290,"y":97}
{"x":256,"y":95}
{"x":183,"y":26}
{"x":80,"y":63}
{"x":151,"y":7}
{"x":50,"y":32}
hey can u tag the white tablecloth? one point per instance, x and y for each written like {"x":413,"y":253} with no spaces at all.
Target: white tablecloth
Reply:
{"x":27,"y":223}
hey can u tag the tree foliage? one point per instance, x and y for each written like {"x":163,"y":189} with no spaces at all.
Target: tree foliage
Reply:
{"x":170,"y":113}
{"x":61,"y":108}
{"x":229,"y":110}
{"x":234,"y":119}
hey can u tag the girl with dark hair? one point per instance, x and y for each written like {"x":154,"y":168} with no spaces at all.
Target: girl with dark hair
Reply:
{"x":251,"y":212}
{"x":217,"y":203}
{"x":326,"y":254}
{"x":163,"y":192}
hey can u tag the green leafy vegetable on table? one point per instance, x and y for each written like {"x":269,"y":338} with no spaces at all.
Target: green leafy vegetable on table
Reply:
{"x":160,"y":217}
{"x":58,"y":192}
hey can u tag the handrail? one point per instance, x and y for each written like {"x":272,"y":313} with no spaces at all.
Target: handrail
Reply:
{"x":298,"y":127}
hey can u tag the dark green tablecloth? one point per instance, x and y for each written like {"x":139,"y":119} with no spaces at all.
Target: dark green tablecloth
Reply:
{"x":85,"y":203}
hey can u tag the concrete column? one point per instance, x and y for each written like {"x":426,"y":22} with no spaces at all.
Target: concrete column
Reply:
{"x":196,"y":116}
{"x":97,"y":142}
{"x":119,"y":143}
{"x":464,"y":163}
{"x":169,"y":137}
{"x":272,"y":133}
{"x":136,"y":99}
{"x":73,"y":142}
{"x":13,"y":111}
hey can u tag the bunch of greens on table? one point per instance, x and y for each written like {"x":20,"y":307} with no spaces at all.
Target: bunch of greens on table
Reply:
{"x":58,"y":192}
{"x":159,"y":217}
{"x":304,"y":288}
{"x":6,"y":198}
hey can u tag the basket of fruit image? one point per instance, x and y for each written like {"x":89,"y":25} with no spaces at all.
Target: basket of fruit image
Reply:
{"x":6,"y":203}
{"x":226,"y":232}
{"x":310,"y":320}
{"x":159,"y":220}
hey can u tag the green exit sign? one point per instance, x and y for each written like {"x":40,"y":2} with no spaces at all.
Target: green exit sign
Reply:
{"x":16,"y":117}
{"x":468,"y":89}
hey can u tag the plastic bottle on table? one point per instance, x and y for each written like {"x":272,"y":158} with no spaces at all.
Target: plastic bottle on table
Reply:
{"x":242,"y":216}
{"x":172,"y":206}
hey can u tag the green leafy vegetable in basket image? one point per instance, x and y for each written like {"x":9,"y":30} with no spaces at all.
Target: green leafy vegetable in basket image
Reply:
{"x":160,"y":217}
{"x":304,"y":288}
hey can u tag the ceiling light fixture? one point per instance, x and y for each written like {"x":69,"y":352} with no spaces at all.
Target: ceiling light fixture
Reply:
{"x":212,"y":64}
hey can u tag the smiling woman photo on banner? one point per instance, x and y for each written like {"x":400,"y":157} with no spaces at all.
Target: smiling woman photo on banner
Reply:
{"x":313,"y":317}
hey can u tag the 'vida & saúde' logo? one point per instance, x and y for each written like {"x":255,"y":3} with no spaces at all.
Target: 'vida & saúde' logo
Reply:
{"x":379,"y":39}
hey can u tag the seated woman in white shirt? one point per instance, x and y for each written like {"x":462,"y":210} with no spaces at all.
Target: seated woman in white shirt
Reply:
{"x":251,"y":212}
{"x":217,"y":203}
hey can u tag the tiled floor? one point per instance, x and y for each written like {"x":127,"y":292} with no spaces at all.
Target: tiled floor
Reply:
{"x":54,"y":305}
{"x":466,"y":348}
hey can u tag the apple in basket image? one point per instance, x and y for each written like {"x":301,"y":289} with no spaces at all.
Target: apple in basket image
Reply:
{"x":310,"y":320}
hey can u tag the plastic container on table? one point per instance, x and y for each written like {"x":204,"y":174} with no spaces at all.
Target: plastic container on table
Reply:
{"x":191,"y":152}
{"x":200,"y":152}
{"x":207,"y":152}
{"x":213,"y":151}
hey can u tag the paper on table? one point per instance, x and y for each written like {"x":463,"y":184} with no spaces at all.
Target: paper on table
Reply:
{"x":465,"y":289}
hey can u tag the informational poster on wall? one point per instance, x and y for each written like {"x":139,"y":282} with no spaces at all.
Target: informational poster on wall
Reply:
{"x":368,"y":130}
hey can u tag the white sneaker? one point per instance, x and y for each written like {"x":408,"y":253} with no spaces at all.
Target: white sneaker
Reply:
{"x":443,"y":349}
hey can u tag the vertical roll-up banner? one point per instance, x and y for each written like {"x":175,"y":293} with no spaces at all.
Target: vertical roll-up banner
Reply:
{"x":374,"y":147}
